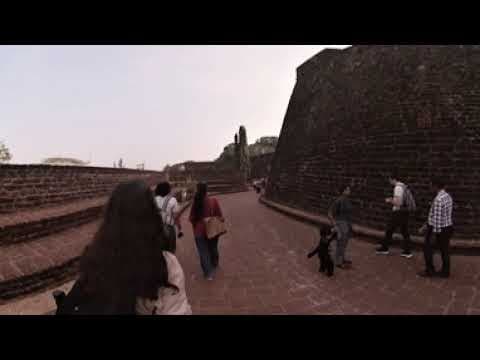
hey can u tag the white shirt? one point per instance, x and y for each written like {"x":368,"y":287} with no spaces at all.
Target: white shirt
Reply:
{"x":169,"y":302}
{"x":168,"y":216}
{"x":398,"y":192}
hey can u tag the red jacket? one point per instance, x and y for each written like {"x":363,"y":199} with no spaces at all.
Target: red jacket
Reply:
{"x":210,"y":208}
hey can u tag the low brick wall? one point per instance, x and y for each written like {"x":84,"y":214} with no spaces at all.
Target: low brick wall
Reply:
{"x":33,"y":186}
{"x":37,"y":228}
{"x":60,"y":265}
{"x":468,"y":247}
{"x":38,"y":281}
{"x":208,"y":171}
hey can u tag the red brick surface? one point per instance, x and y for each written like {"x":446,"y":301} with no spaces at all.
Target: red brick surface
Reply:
{"x":50,"y":212}
{"x":28,"y":225}
{"x":31,"y":266}
{"x":264,"y":270}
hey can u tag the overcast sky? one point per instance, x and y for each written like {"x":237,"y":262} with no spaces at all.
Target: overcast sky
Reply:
{"x":154,"y":104}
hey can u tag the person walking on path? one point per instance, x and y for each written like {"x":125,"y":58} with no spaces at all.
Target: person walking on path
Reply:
{"x":124,"y":270}
{"x":439,"y":224}
{"x":204,"y":206}
{"x":169,"y":210}
{"x":398,"y":218}
{"x":340,"y":215}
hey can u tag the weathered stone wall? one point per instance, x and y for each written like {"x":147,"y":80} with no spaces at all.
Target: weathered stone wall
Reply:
{"x":260,"y":165}
{"x":357,"y":113}
{"x":30,"y":186}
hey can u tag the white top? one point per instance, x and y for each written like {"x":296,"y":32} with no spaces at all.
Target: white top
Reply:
{"x":172,"y":207}
{"x":170,"y":302}
{"x":398,"y":192}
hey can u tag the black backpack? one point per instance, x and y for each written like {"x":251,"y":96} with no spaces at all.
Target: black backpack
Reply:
{"x":167,"y":228}
{"x":79,"y":302}
{"x":76,"y":302}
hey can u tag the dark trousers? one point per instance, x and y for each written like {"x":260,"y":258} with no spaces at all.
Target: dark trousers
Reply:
{"x":171,"y":238}
{"x":213,"y":249}
{"x":443,"y":244}
{"x":399,"y":219}
{"x":208,"y":253}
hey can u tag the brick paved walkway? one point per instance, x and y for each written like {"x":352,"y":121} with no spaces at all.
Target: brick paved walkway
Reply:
{"x":264,"y":270}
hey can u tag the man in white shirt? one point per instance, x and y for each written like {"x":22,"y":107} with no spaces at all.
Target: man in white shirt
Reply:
{"x":168,"y":206}
{"x":398,"y":219}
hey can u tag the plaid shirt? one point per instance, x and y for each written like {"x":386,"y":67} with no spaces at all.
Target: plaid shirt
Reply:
{"x":441,"y":212}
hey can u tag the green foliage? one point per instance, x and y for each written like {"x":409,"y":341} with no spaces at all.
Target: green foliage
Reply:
{"x":5,"y":155}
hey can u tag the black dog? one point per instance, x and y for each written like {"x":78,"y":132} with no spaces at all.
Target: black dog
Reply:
{"x":323,"y":251}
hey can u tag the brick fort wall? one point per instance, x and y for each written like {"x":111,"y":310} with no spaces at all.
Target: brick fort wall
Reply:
{"x":260,"y":165}
{"x":357,"y":113}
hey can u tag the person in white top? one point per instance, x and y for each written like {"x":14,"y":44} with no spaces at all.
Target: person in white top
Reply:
{"x":170,"y":301}
{"x":398,"y":219}
{"x":169,"y":210}
{"x":124,"y":270}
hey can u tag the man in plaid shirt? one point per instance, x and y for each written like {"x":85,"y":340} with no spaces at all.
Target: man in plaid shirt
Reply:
{"x":439,"y":224}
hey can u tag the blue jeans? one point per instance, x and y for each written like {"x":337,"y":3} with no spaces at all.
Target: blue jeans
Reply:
{"x":344,"y":233}
{"x":208,"y":253}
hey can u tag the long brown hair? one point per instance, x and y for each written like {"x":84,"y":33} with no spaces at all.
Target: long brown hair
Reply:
{"x":125,"y":259}
{"x":199,"y":201}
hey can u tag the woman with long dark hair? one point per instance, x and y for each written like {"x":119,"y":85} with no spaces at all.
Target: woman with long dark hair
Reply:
{"x":124,"y":270}
{"x":204,"y":206}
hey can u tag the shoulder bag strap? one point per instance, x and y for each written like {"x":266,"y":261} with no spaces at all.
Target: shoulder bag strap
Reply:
{"x":165,"y":205}
{"x":165,"y":202}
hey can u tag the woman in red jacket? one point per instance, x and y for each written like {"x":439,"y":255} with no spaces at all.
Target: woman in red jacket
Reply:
{"x":204,"y":206}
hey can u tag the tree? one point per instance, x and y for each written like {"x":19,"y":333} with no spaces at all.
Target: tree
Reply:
{"x":242,"y":153}
{"x":5,"y":155}
{"x":64,"y":161}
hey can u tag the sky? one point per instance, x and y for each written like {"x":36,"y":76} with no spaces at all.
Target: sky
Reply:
{"x":156,"y":105}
